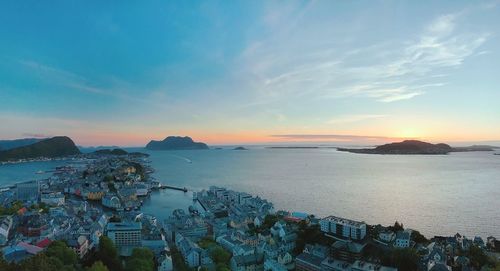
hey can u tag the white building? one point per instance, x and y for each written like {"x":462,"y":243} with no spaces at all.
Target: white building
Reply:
{"x":343,"y":227}
{"x":126,"y":236}
{"x":386,"y":236}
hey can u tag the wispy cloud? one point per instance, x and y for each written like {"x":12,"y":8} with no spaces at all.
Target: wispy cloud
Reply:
{"x":385,"y":72}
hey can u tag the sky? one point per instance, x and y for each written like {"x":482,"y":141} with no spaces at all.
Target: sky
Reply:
{"x":250,"y":72}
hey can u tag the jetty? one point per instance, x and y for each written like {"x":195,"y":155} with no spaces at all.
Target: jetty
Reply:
{"x":164,"y":186}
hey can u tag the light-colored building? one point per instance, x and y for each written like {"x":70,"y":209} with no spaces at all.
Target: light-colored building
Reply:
{"x":125,"y":235}
{"x":53,"y":199}
{"x":28,"y":191}
{"x":5,"y":228}
{"x":386,"y":236}
{"x":343,"y":227}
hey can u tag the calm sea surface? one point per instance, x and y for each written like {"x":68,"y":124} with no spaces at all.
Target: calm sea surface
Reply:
{"x":438,"y":195}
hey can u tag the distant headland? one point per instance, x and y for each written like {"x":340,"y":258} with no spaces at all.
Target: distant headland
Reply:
{"x":416,"y":147}
{"x":52,"y":147}
{"x":176,"y":143}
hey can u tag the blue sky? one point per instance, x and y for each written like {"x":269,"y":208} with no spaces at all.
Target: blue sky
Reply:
{"x":250,"y":71}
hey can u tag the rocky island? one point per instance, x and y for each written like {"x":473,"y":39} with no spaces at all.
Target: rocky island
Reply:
{"x":50,"y":148}
{"x":240,"y":149}
{"x":176,"y":143}
{"x":405,"y":147}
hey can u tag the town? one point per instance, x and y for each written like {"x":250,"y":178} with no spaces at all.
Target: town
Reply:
{"x":87,"y":216}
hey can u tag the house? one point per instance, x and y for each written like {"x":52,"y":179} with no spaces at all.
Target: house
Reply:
{"x":80,"y":245}
{"x":193,"y":255}
{"x":386,"y":236}
{"x":402,"y":239}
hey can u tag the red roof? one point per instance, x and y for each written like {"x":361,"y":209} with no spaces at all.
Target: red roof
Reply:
{"x":22,"y":211}
{"x":44,"y":243}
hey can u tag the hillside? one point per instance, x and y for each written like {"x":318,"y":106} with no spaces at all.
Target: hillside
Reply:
{"x":16,"y":143}
{"x":52,"y":147}
{"x":176,"y":143}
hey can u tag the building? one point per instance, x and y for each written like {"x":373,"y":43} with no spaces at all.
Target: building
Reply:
{"x":125,"y":235}
{"x":347,"y":251}
{"x":112,"y":202}
{"x":5,"y":227}
{"x":402,"y":239}
{"x":308,"y":262}
{"x":343,"y":227}
{"x":386,"y":236}
{"x":53,"y":199}
{"x":28,"y":191}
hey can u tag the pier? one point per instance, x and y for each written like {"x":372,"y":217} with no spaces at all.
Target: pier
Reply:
{"x":183,"y":189}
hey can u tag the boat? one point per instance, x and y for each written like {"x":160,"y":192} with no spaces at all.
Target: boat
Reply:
{"x":40,"y":172}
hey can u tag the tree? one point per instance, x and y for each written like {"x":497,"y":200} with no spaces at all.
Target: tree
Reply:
{"x":405,"y":259}
{"x":98,"y":266}
{"x":108,"y":254}
{"x":477,"y":257}
{"x":418,"y":237}
{"x":142,"y":259}
{"x":61,"y":251}
{"x":220,"y":255}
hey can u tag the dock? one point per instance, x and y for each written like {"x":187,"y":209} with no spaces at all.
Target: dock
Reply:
{"x":183,"y":189}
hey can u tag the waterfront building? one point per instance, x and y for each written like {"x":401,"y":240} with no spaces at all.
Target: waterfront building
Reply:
{"x":28,"y":191}
{"x":343,"y":227}
{"x":125,"y":235}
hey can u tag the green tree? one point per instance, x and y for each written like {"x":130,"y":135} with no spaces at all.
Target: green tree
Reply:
{"x":478,"y":258}
{"x":418,"y":237}
{"x":220,"y":255}
{"x":142,"y":259}
{"x":108,"y":254}
{"x":61,"y":251}
{"x":98,"y":266}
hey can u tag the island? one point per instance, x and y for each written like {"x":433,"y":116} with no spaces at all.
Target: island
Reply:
{"x":49,"y":148}
{"x":405,"y":147}
{"x":416,"y":147}
{"x":176,"y":143}
{"x":240,"y":149}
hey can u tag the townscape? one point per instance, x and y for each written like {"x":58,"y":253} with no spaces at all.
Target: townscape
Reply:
{"x":91,"y":208}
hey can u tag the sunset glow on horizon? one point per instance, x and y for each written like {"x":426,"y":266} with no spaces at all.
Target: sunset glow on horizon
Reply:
{"x":254,"y":72}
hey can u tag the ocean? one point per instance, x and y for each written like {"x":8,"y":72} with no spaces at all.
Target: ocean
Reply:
{"x":435,"y":194}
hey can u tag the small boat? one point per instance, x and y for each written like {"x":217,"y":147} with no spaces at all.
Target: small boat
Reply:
{"x":40,"y":172}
